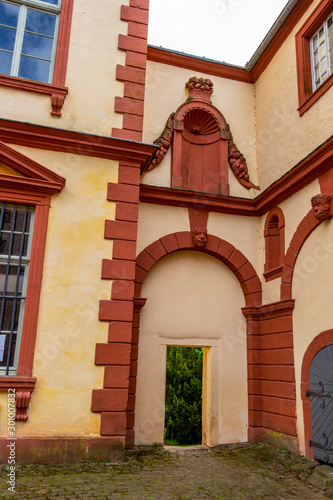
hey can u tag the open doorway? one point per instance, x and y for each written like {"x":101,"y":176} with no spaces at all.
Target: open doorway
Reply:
{"x":185,"y":395}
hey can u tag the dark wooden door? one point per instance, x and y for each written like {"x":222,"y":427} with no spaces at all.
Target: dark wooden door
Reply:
{"x":321,"y":399}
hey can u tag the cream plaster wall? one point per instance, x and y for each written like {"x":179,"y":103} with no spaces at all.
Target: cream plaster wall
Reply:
{"x":312,"y":290}
{"x":242,"y":232}
{"x":193,"y":300}
{"x":283,"y":137}
{"x":156,"y":221}
{"x":91,"y":72}
{"x":294,"y":210}
{"x":68,"y":325}
{"x":235,"y":100}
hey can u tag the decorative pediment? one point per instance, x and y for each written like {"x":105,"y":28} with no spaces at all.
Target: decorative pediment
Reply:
{"x":19,"y":171}
{"x":202,"y":144}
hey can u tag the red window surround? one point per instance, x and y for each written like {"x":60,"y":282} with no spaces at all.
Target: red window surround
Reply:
{"x":274,"y":244}
{"x":306,"y":96}
{"x":56,"y":89}
{"x":33,"y":186}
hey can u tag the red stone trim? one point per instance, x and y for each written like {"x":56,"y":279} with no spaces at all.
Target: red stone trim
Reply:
{"x":56,"y":89}
{"x":56,"y":92}
{"x":133,"y":73}
{"x":304,"y":229}
{"x":55,"y":139}
{"x":38,"y":450}
{"x":271,"y":374}
{"x":186,"y":198}
{"x":35,"y":189}
{"x":315,"y":164}
{"x":274,"y":237}
{"x":33,"y":175}
{"x":215,"y":246}
{"x":318,"y":343}
{"x":198,"y":64}
{"x":113,"y":400}
{"x":306,"y":96}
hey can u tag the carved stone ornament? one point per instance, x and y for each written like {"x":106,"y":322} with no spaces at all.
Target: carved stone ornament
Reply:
{"x":321,"y":205}
{"x":164,"y":141}
{"x":22,"y":403}
{"x":202,"y":144}
{"x":199,"y":237}
{"x":238,"y":165}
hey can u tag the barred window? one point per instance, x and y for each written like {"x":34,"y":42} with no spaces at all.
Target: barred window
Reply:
{"x":16,"y":225}
{"x":322,"y":53}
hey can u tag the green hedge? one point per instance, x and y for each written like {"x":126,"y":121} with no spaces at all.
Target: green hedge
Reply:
{"x":183,"y":400}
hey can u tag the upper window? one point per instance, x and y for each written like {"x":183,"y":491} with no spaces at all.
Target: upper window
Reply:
{"x":314,"y":51}
{"x":28,"y":34}
{"x":322,"y":53}
{"x":274,"y":244}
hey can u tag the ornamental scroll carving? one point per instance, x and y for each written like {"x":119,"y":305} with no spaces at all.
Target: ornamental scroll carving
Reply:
{"x":22,"y":403}
{"x":321,"y":205}
{"x":202,"y":144}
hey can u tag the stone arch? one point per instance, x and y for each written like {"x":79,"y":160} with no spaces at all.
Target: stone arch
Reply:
{"x":216,"y":247}
{"x":322,"y":340}
{"x":303,"y":231}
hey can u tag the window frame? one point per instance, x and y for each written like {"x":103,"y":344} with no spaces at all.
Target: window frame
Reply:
{"x":56,"y":89}
{"x":274,"y":271}
{"x":306,"y":96}
{"x":23,"y":261}
{"x":34,"y":187}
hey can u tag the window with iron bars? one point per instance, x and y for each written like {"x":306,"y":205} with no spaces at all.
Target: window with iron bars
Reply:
{"x":321,"y":48}
{"x":16,"y":226}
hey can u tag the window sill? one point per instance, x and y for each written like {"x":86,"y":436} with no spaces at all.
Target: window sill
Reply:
{"x":274,"y":273}
{"x":23,"y":388}
{"x":57,"y":92}
{"x":304,"y":106}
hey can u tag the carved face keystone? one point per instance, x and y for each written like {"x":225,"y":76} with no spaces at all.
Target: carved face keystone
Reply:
{"x":199,"y":237}
{"x":321,"y":206}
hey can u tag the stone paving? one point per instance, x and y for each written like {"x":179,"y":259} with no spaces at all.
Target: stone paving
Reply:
{"x":241,"y":471}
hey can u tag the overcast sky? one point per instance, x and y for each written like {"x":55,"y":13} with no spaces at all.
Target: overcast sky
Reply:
{"x":225,"y":30}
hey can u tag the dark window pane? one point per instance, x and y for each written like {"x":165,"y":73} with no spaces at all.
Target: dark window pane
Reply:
{"x":5,"y":62}
{"x":34,"y":69}
{"x":17,"y":244}
{"x":7,"y":38}
{"x":4,"y":243}
{"x":7,"y":219}
{"x":40,"y":22}
{"x":19,"y":222}
{"x":6,"y":349}
{"x":36,"y":45}
{"x":12,"y":308}
{"x":9,"y":14}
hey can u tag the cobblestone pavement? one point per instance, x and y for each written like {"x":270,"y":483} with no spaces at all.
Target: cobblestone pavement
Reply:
{"x":240,"y":471}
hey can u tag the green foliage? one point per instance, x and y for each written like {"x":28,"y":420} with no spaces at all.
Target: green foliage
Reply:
{"x":183,"y":400}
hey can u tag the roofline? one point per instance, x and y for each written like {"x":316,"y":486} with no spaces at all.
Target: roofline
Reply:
{"x":283,"y":16}
{"x":278,"y":33}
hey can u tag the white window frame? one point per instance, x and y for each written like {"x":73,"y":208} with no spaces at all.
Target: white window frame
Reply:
{"x":327,"y":48}
{"x":41,"y":7}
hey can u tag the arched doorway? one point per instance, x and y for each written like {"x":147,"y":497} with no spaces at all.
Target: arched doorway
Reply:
{"x":321,"y":400}
{"x":193,"y":300}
